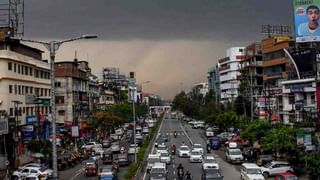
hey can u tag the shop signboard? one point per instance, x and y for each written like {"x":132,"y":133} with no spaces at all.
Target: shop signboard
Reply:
{"x":75,"y":131}
{"x":27,"y":133}
{"x":31,"y":120}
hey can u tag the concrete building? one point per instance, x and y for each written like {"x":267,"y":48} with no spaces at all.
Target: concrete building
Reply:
{"x":276,"y":68}
{"x":199,"y":91}
{"x":299,"y":100}
{"x":228,"y":72}
{"x":251,"y":77}
{"x":214,"y":81}
{"x":72,"y":87}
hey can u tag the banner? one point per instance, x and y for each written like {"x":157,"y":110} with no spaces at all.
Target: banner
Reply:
{"x":306,"y":20}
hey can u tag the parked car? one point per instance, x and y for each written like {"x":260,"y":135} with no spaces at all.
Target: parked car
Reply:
{"x":91,"y":168}
{"x":286,"y":176}
{"x":250,"y":171}
{"x":184,"y":151}
{"x":89,"y":145}
{"x":276,"y":167}
{"x":211,"y":174}
{"x":210,"y":162}
{"x":24,"y":172}
{"x":123,"y":159}
{"x":30,"y":165}
{"x":234,"y":155}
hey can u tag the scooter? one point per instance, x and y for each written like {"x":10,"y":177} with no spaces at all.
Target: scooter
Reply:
{"x":175,"y":135}
{"x":180,"y":174}
{"x":208,"y":149}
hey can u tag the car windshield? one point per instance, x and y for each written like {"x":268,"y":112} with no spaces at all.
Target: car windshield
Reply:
{"x":235,"y":152}
{"x":158,"y":170}
{"x":210,"y":174}
{"x":153,"y":160}
{"x":106,"y":169}
{"x":162,"y":148}
{"x":43,"y":169}
{"x":165,"y":154}
{"x":184,"y":148}
{"x":197,"y":146}
{"x":268,"y":165}
{"x":254,"y":171}
{"x":211,"y":161}
{"x":195,"y":153}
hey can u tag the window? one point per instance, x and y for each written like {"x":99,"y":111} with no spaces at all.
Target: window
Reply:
{"x":60,"y":99}
{"x":10,"y":89}
{"x":27,"y":111}
{"x":22,"y":90}
{"x":18,"y":68}
{"x":41,"y":92}
{"x":26,"y":69}
{"x":27,"y":89}
{"x":19,"y":87}
{"x":15,"y":67}
{"x":22,"y":69}
{"x":9,"y":66}
{"x":31,"y":71}
{"x":24,"y":110}
{"x":313,"y":98}
{"x":15,"y":89}
{"x":45,"y":92}
{"x":291,"y":98}
{"x":36,"y":73}
{"x":31,"y":90}
{"x":58,"y":84}
{"x":11,"y":111}
{"x":41,"y":74}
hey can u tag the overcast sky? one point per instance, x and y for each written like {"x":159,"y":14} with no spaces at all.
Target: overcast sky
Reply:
{"x":171,"y":43}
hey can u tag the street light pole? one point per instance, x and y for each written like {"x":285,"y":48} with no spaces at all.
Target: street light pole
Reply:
{"x":53,"y":46}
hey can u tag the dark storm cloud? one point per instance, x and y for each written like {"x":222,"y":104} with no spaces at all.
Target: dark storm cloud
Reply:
{"x":154,"y":19}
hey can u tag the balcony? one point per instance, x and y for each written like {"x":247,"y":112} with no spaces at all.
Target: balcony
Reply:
{"x":274,"y":62}
{"x":221,"y":61}
{"x":275,"y":75}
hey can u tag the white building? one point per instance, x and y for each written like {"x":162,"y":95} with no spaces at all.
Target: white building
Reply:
{"x":24,"y":73}
{"x":299,"y":100}
{"x":228,"y":72}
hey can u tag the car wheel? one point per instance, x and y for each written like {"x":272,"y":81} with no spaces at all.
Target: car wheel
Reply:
{"x":15,"y":177}
{"x":266,"y":174}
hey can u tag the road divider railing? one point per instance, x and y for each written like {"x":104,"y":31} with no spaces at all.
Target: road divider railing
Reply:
{"x":136,"y":171}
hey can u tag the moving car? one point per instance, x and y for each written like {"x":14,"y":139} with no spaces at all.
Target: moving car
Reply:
{"x":195,"y":156}
{"x":115,"y":147}
{"x":158,"y":172}
{"x":123,"y":159}
{"x":106,"y":143}
{"x":162,"y":148}
{"x":276,"y":167}
{"x":184,"y":151}
{"x":107,"y":172}
{"x":209,"y":132}
{"x":250,"y":171}
{"x":211,"y":174}
{"x":214,"y":143}
{"x":234,"y":155}
{"x":165,"y":158}
{"x":91,"y":168}
{"x":198,"y":147}
{"x":151,"y":160}
{"x":24,"y":172}
{"x":89,"y":145}
{"x":210,"y":163}
{"x":107,"y":158}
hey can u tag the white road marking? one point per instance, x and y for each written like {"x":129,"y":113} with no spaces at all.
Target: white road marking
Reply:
{"x":174,"y":172}
{"x":186,"y":133}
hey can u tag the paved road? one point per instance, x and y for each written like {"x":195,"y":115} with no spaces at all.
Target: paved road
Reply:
{"x":188,"y":135}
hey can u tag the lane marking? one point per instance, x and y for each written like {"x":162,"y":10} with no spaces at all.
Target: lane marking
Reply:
{"x":174,"y":172}
{"x":185,"y":133}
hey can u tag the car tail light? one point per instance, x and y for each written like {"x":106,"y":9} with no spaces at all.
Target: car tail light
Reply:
{"x":126,"y":158}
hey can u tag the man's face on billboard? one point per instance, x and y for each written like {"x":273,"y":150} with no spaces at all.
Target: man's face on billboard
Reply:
{"x":313,"y":16}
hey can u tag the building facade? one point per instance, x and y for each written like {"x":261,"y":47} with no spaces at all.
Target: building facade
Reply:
{"x":228,"y":72}
{"x":214,"y":81}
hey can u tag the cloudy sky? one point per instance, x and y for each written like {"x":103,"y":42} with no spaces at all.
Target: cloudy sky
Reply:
{"x":171,"y":43}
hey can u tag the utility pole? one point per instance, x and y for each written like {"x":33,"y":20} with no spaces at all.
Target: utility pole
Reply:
{"x":15,"y":134}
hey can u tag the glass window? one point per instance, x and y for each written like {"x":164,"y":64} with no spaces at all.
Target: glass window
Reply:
{"x":19,"y":89}
{"x":26,"y":69}
{"x":291,"y":98}
{"x":22,"y":69}
{"x":9,"y":66}
{"x":18,"y":68}
{"x":22,"y":90}
{"x":10,"y":89}
{"x":31,"y":71}
{"x":27,"y":89}
{"x":15,"y":67}
{"x":11,"y":111}
{"x":15,"y":89}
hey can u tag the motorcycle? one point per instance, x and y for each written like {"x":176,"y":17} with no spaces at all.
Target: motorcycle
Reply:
{"x":175,"y":135}
{"x":180,"y":174}
{"x":173,"y":152}
{"x":208,"y":149}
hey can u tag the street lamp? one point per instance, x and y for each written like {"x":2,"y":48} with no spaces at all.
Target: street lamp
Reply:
{"x":134,"y":120}
{"x":52,"y":47}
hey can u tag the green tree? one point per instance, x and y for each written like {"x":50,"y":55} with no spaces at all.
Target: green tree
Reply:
{"x":256,"y":130}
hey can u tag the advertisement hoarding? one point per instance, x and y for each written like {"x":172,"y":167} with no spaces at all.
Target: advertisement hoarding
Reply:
{"x":306,"y":20}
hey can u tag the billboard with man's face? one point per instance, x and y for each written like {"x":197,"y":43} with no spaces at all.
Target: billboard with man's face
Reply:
{"x":306,"y":20}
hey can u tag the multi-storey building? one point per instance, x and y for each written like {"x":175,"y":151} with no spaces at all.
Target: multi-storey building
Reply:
{"x":72,"y":88}
{"x":276,"y":68}
{"x":251,"y":78}
{"x":199,"y":91}
{"x":228,"y":72}
{"x":214,"y":81}
{"x":24,"y":79}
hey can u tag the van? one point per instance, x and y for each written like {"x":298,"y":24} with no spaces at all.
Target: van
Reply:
{"x":250,"y":171}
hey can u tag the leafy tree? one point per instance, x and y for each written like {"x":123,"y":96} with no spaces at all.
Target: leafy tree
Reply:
{"x":105,"y":120}
{"x":312,"y":162}
{"x":256,"y":130}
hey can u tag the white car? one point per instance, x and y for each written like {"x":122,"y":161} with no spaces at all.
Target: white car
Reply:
{"x":22,"y":173}
{"x":30,"y":165}
{"x":210,"y":163}
{"x":276,"y":167}
{"x":198,"y":147}
{"x":89,"y":145}
{"x":234,"y":155}
{"x":195,"y":156}
{"x":250,"y":171}
{"x":162,"y":148}
{"x":115,"y":147}
{"x":165,"y":158}
{"x":184,"y":151}
{"x":131,"y":148}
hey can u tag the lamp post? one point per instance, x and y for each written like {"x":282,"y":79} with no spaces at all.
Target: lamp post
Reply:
{"x":52,"y":47}
{"x":134,"y":120}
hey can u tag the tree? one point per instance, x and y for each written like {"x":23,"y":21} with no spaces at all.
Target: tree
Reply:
{"x":256,"y":130}
{"x":105,"y":120}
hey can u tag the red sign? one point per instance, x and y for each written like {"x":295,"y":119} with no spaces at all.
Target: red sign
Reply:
{"x":67,"y":123}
